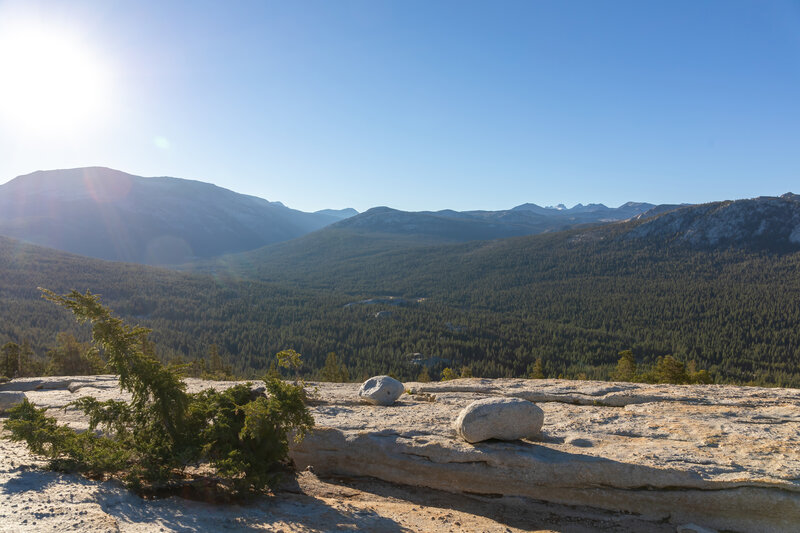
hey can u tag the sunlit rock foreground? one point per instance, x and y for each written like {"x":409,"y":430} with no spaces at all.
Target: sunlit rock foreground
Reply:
{"x":719,"y":456}
{"x":616,"y":456}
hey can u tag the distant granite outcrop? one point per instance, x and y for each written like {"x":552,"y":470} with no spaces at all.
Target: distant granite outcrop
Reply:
{"x":722,"y":457}
{"x":763,"y":222}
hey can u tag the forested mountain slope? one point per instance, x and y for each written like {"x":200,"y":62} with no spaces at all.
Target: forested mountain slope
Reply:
{"x":717,"y":283}
{"x":573,"y":299}
{"x":352,"y":256}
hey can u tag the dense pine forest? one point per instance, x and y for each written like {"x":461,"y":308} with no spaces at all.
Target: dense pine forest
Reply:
{"x":562,"y":304}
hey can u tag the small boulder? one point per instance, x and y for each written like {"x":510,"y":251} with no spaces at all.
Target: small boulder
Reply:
{"x":499,"y":418}
{"x":258,"y":392}
{"x":381,"y":390}
{"x":9,"y":399}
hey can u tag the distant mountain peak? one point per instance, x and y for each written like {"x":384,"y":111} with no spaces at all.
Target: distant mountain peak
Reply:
{"x":109,"y":214}
{"x":535,"y":207}
{"x":101,"y":183}
{"x":588,"y":208}
{"x":338,"y":214}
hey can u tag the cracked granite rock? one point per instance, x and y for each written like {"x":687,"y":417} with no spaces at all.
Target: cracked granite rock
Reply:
{"x":721,"y":457}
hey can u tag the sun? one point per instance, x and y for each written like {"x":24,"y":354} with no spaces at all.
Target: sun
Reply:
{"x":52,"y":83}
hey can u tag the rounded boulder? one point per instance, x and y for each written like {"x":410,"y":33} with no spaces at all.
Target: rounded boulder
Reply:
{"x":381,"y":390}
{"x":9,"y":399}
{"x":499,"y":418}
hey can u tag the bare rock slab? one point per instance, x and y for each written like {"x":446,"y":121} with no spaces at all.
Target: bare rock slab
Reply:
{"x":499,"y":418}
{"x":381,"y":390}
{"x":720,"y":457}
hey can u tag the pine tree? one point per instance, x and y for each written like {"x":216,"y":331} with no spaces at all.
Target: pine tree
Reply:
{"x":626,"y":367}
{"x":424,"y":376}
{"x":214,"y":360}
{"x":670,"y":370}
{"x":29,"y":364}
{"x":9,"y":360}
{"x":334,"y":371}
{"x":537,"y":372}
{"x":72,"y":358}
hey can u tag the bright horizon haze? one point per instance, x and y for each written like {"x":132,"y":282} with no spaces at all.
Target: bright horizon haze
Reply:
{"x":415,"y":105}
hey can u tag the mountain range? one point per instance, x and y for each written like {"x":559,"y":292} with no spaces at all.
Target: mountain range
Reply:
{"x":463,"y":226}
{"x":108,"y":214}
{"x":715,"y":283}
{"x":382,"y":244}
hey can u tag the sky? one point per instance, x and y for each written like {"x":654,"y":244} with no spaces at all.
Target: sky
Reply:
{"x":417,"y":105}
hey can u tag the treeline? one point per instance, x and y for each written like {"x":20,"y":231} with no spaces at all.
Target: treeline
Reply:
{"x":68,"y":358}
{"x":568,"y":301}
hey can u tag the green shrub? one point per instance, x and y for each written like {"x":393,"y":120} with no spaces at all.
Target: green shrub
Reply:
{"x":151,"y":440}
{"x":667,"y":369}
{"x":448,"y":374}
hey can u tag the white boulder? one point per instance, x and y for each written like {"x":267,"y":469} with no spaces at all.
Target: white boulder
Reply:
{"x":9,"y":399}
{"x":381,"y":390}
{"x":499,"y":418}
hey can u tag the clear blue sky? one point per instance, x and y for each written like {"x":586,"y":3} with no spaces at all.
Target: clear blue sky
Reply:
{"x":434,"y":104}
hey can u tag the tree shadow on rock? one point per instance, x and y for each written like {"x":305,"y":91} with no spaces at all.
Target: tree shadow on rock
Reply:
{"x":35,"y":480}
{"x":291,"y":506}
{"x":282,"y":511}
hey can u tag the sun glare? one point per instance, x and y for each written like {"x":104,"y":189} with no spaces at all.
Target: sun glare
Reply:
{"x":52,"y":83}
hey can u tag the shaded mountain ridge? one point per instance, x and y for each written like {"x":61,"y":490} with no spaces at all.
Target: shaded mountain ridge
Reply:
{"x":108,"y":214}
